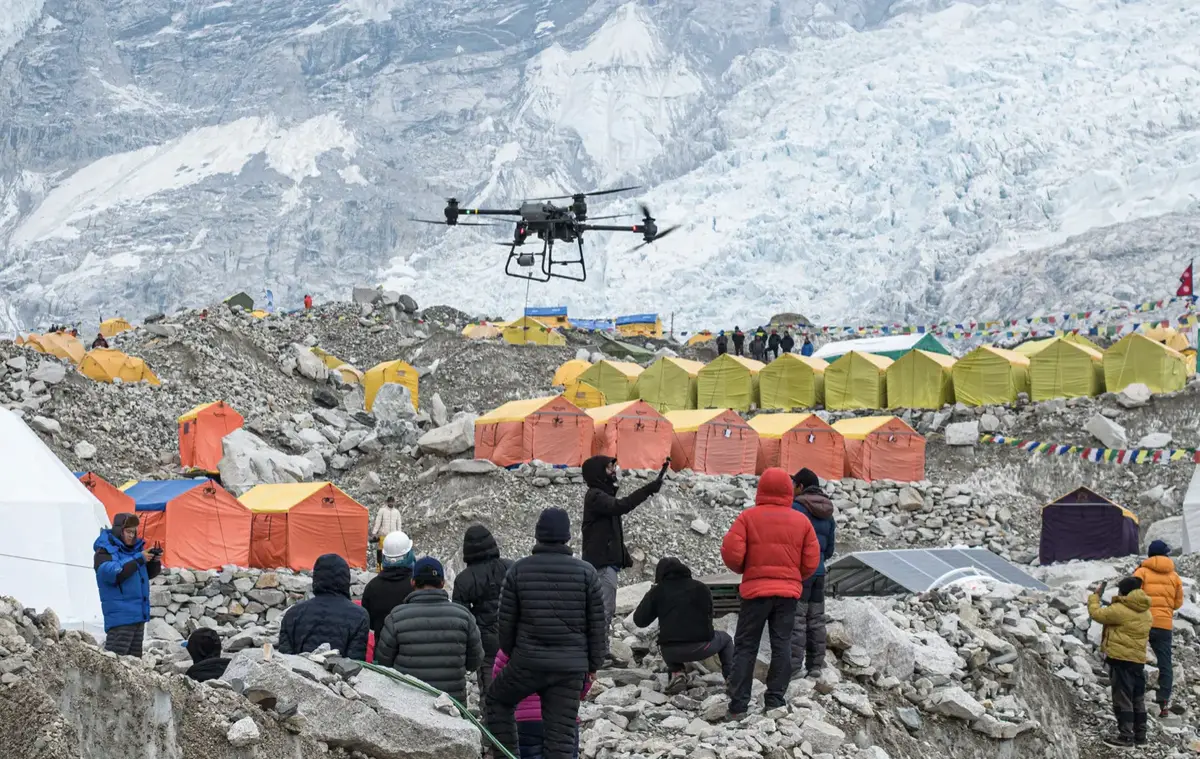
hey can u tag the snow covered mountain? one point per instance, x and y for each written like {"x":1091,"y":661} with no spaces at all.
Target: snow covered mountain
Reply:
{"x":859,"y":159}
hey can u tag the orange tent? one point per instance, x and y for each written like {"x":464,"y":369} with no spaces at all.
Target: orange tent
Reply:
{"x":633,"y":433}
{"x":199,"y":524}
{"x":58,"y":344}
{"x":882,"y":448}
{"x":712,"y":441}
{"x":296,"y":523}
{"x":552,"y":430}
{"x":201,"y":431}
{"x":115,"y":502}
{"x":796,"y":441}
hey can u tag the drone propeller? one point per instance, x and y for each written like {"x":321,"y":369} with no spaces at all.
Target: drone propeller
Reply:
{"x":589,"y":194}
{"x":656,"y":237}
{"x":460,"y":223}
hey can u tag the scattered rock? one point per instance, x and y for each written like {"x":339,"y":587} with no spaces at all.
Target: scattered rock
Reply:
{"x":962,"y":433}
{"x":243,"y":733}
{"x":1108,"y":432}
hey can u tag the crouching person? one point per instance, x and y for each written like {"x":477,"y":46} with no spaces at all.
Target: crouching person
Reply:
{"x":683,"y":608}
{"x":1127,"y":622}
{"x":430,"y":637}
{"x":529,"y":718}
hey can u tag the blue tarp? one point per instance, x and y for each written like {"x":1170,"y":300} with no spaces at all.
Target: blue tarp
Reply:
{"x":546,"y":311}
{"x":638,"y":319}
{"x":592,"y":324}
{"x":153,"y":495}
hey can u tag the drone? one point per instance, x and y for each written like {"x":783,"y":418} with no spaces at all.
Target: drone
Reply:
{"x":542,"y":219}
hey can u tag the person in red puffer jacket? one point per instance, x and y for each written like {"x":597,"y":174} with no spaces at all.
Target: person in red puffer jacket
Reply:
{"x":775,"y":549}
{"x":529,"y":717}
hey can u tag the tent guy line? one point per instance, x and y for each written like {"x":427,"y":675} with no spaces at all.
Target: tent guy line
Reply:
{"x":47,"y":561}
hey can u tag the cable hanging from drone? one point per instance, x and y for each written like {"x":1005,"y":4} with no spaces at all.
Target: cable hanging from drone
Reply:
{"x":542,"y":219}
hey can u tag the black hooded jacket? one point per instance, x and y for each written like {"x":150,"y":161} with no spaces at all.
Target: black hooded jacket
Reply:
{"x":384,"y":592}
{"x":329,"y":616}
{"x":205,"y":648}
{"x":603,"y":534}
{"x":477,"y":587}
{"x":682,"y":606}
{"x":787,"y":343}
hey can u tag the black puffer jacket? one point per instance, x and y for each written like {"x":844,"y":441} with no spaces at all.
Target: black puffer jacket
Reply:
{"x":682,"y":606}
{"x":329,"y":616}
{"x":433,"y":639}
{"x":477,"y":587}
{"x":603,"y":534}
{"x":384,"y":592}
{"x":551,"y":614}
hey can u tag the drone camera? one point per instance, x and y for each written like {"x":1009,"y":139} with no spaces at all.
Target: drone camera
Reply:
{"x":525,"y":259}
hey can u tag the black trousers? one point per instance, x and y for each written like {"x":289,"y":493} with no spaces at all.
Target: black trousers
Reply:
{"x":559,"y":693}
{"x":125,"y":640}
{"x":1160,"y":642}
{"x":1128,"y":680}
{"x":778,"y":615}
{"x":678,"y":654}
{"x":808,"y":636}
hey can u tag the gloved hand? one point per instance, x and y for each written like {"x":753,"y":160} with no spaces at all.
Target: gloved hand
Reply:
{"x":654,"y":486}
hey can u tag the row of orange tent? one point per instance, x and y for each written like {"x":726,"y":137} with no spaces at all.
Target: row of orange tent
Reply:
{"x":710,"y":441}
{"x":200,"y":525}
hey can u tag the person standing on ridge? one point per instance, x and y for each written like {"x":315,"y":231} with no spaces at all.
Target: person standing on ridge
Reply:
{"x":307,"y":302}
{"x":477,"y":588}
{"x":808,"y":636}
{"x":387,"y":520}
{"x":329,"y":616}
{"x":603,"y":533}
{"x":99,"y":342}
{"x":1127,"y":622}
{"x":808,"y":348}
{"x":722,"y":344}
{"x":124,"y":569}
{"x":788,"y":342}
{"x":773,"y":344}
{"x":1161,"y":582}
{"x":391,"y":586}
{"x":552,"y":628}
{"x":775,"y":549}
{"x":739,"y":340}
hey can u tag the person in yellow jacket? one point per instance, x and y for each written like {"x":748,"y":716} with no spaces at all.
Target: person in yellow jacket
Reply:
{"x":1162,"y":584}
{"x":1126,"y":623}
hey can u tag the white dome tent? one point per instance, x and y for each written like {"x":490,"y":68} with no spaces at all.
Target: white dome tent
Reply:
{"x":51,"y":522}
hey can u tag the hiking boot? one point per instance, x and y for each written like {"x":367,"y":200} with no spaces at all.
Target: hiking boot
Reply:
{"x":1139,"y":739}
{"x":1163,"y":711}
{"x":735,"y":716}
{"x":676,"y":684}
{"x":1119,"y":740}
{"x":814,"y":673}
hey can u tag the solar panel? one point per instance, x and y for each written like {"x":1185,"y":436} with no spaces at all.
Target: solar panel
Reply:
{"x":916,"y":570}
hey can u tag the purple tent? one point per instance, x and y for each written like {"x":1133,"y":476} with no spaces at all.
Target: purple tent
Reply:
{"x":1083,"y":525}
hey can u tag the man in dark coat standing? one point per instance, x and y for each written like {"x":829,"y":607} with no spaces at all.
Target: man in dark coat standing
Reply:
{"x":683,"y":608}
{"x":739,"y":340}
{"x":391,"y":586}
{"x":603,"y":534}
{"x":329,"y":616}
{"x":430,"y":637}
{"x":722,"y":344}
{"x":773,"y":344}
{"x":788,"y":342}
{"x":808,"y":634}
{"x":477,"y":588}
{"x":124,"y":569}
{"x":552,"y":627}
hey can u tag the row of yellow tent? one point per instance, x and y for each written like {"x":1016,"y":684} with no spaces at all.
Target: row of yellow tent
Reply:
{"x":398,"y":372}
{"x":529,"y":330}
{"x":100,"y":364}
{"x":1046,"y":369}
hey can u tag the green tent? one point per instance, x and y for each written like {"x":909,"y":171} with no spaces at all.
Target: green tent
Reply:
{"x":240,"y":299}
{"x":892,"y":346}
{"x":669,"y":384}
{"x":792,"y":381}
{"x":621,"y":349}
{"x":728,"y":382}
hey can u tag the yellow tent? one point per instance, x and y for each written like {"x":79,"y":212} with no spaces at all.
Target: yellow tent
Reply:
{"x":528,"y":330}
{"x":669,"y":384}
{"x":613,"y":378}
{"x":728,"y":382}
{"x":1136,"y":358}
{"x":397,"y":372}
{"x":857,"y":380}
{"x":990,"y":375}
{"x":569,"y":372}
{"x":920,"y":379}
{"x":60,"y":344}
{"x":1078,"y":339}
{"x":1064,"y":369}
{"x":1031,"y":347}
{"x":792,"y":381}
{"x":481,"y":331}
{"x":349,"y":374}
{"x":639,"y":325}
{"x":701,"y":337}
{"x":1172,"y":338}
{"x":584,"y":395}
{"x":115,"y":326}
{"x":107,"y":365}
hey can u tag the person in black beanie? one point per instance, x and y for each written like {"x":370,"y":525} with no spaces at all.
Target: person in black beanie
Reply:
{"x":552,"y":628}
{"x":204,"y":645}
{"x":808,"y":633}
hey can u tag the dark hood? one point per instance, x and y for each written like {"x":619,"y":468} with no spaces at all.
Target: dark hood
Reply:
{"x":816,"y":502}
{"x":670,"y":568}
{"x":331,"y":576}
{"x":595,"y":474}
{"x":209,"y":669}
{"x":479,"y":545}
{"x":396,"y":574}
{"x":204,"y":644}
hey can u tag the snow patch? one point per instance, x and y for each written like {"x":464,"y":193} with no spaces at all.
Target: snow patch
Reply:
{"x":378,"y":11}
{"x":134,"y":177}
{"x":352,"y":174}
{"x":16,"y":18}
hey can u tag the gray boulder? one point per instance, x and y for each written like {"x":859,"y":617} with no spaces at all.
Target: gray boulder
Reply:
{"x":891,"y":650}
{"x":308,"y":364}
{"x":456,"y":437}
{"x":50,"y":372}
{"x":408,"y":304}
{"x":393,"y":410}
{"x":1108,"y":432}
{"x":366,"y":296}
{"x":956,"y":702}
{"x":962,"y":433}
{"x":1134,"y":396}
{"x":247,"y":461}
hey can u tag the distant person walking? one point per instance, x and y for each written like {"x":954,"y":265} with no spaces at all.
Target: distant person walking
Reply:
{"x":308,"y":302}
{"x":552,"y":626}
{"x":808,"y":636}
{"x":391,"y":586}
{"x":775,"y":550}
{"x":124,"y":569}
{"x":329,"y":616}
{"x":1127,"y":621}
{"x":739,"y":340}
{"x":788,"y":342}
{"x":722,"y":344}
{"x":773,"y":342}
{"x":1161,"y":582}
{"x":808,"y":348}
{"x":477,"y":588}
{"x":387,"y":520}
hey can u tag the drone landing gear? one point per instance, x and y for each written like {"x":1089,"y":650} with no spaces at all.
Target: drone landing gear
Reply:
{"x":542,"y":266}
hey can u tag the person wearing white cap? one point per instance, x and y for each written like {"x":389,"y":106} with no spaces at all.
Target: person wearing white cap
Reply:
{"x":391,"y":586}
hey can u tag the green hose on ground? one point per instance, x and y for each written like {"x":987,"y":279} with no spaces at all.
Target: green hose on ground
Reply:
{"x":429,"y":689}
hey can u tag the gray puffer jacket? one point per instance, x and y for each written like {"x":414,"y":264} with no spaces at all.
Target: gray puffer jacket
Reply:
{"x":433,"y":639}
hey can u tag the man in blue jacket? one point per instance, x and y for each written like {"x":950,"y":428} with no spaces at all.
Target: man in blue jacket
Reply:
{"x":808,"y":633}
{"x":123,"y":572}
